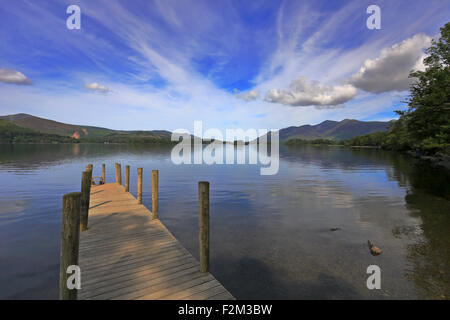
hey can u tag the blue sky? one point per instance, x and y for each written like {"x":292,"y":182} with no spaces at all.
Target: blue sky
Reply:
{"x":248,"y":64}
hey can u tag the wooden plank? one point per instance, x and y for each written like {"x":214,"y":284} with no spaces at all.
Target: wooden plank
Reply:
{"x":196,"y":289}
{"x":124,"y":248}
{"x":167,"y":263}
{"x":182,"y":283}
{"x":147,"y":280}
{"x":208,"y":293}
{"x":126,"y":254}
{"x":155,"y":272}
{"x":135,"y":257}
{"x":222,"y":296}
{"x":126,"y":264}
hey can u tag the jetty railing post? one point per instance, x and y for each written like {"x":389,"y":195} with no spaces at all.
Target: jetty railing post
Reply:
{"x":70,"y":238}
{"x":127,"y":178}
{"x":103,"y":173}
{"x":119,"y":172}
{"x":155,"y":182}
{"x":139,"y":185}
{"x":203,"y":215}
{"x":86,"y":181}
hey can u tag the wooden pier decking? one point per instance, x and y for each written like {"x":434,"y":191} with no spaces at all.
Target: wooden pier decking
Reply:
{"x":126,"y":254}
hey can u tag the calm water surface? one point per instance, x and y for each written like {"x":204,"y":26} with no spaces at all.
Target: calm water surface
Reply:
{"x":270,"y":235}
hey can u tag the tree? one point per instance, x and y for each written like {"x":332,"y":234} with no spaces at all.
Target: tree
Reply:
{"x":428,"y":115}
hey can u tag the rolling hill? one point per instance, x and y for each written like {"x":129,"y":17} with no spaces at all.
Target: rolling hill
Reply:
{"x":335,"y":130}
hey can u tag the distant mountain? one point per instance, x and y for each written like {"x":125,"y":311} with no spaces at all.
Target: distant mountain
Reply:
{"x":334,"y":130}
{"x":94,"y":134}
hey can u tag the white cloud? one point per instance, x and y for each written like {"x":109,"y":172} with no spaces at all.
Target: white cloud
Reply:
{"x":249,"y":95}
{"x":96,"y":87}
{"x":13,"y":76}
{"x":391,"y":69}
{"x":304,"y":93}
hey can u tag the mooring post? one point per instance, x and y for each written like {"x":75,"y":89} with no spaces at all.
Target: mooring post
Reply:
{"x":203,"y":215}
{"x":155,"y":193}
{"x":119,"y":170}
{"x":86,"y":181}
{"x":118,"y":173}
{"x":139,"y":185}
{"x":127,"y":178}
{"x":89,"y":169}
{"x":103,"y":173}
{"x":70,"y":238}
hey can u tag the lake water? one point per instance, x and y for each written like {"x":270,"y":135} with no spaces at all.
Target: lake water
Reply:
{"x":270,"y":235}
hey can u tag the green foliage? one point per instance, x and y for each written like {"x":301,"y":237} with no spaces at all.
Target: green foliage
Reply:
{"x":11,"y":133}
{"x":293,"y":142}
{"x":134,"y":138}
{"x":374,"y":140}
{"x":428,"y":115}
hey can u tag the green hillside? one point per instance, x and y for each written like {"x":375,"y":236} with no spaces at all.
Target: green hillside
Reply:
{"x":12,"y":133}
{"x":55,"y":127}
{"x":87,"y":133}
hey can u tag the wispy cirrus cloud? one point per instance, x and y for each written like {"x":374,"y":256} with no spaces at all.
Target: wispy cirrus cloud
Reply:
{"x":13,"y":76}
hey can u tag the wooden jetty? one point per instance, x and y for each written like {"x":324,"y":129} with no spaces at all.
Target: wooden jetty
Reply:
{"x":127,"y":253}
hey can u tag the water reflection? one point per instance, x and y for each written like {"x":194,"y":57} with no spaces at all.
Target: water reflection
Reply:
{"x":429,"y":250}
{"x":271,"y":235}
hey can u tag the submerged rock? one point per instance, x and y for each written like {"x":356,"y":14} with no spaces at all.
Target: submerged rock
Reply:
{"x":335,"y":229}
{"x":374,"y":250}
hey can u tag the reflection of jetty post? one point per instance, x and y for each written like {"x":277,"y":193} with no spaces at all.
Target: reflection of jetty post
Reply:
{"x":139,"y":185}
{"x":203,"y":215}
{"x":70,"y":238}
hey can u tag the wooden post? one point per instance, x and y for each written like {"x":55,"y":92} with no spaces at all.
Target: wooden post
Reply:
{"x":155,"y":193}
{"x":119,"y":173}
{"x":127,"y":178}
{"x":70,"y":238}
{"x":103,"y":173}
{"x":90,"y":168}
{"x":139,"y":185}
{"x":203,"y":215}
{"x":85,"y":198}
